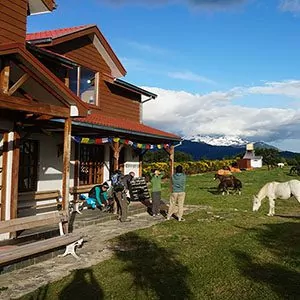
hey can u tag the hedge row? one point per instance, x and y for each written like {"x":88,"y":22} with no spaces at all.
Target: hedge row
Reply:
{"x":192,"y":167}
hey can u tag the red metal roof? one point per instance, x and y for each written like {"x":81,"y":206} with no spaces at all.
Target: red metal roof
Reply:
{"x":130,"y":126}
{"x":55,"y":33}
{"x":65,"y":33}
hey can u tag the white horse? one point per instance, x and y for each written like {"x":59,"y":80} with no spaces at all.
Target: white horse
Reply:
{"x":277,"y":190}
{"x":280,"y":165}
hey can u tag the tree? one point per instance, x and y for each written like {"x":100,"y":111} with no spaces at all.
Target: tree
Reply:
{"x":182,"y":156}
{"x":270,"y":156}
{"x":162,"y":156}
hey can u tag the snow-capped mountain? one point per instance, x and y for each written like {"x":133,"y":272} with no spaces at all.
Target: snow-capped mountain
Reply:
{"x":234,"y":141}
{"x":216,"y":147}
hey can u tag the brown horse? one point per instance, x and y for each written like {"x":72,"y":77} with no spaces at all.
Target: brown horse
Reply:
{"x":227,"y":182}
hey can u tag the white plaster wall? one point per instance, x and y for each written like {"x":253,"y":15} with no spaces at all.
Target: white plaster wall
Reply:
{"x":50,"y":166}
{"x":131,"y":161}
{"x":106,"y":163}
{"x":256,"y":163}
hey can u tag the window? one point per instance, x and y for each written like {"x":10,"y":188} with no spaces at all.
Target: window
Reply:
{"x":28,"y":168}
{"x":84,"y":82}
{"x":73,"y":75}
{"x":91,"y":164}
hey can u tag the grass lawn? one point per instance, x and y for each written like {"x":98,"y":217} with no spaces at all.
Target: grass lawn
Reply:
{"x":223,"y":252}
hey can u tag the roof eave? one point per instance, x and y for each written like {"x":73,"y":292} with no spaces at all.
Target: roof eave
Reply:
{"x":53,"y":55}
{"x":134,"y":88}
{"x":126,"y":131}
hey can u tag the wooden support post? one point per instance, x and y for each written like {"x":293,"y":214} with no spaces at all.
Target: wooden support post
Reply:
{"x":141,"y":154}
{"x":66,"y":167}
{"x":15,"y":176}
{"x":4,"y":176}
{"x":116,"y":147}
{"x":4,"y":76}
{"x":140,"y":165}
{"x":170,"y":151}
{"x":18,"y":84}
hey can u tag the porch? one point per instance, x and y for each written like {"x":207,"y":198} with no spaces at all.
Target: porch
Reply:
{"x":78,"y":223}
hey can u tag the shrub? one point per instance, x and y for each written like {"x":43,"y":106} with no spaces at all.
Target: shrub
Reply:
{"x":190,"y":167}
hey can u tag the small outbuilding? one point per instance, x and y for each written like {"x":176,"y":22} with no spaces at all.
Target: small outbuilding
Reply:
{"x":249,"y":160}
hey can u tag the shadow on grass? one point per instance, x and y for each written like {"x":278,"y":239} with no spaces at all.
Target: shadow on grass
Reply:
{"x":288,"y":216}
{"x":214,"y":191}
{"x":40,"y":294}
{"x":83,"y":286}
{"x":155,"y":270}
{"x":282,"y":241}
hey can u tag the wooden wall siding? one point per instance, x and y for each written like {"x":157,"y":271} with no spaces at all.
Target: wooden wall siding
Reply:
{"x":112,"y":101}
{"x":117,"y":102}
{"x":83,"y":52}
{"x":13,"y":16}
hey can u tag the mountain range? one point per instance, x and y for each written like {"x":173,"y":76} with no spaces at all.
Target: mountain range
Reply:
{"x":221,"y":147}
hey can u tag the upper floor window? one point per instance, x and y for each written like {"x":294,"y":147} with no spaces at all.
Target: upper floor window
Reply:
{"x":84,"y":83}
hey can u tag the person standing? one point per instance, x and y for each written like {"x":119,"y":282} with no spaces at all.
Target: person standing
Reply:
{"x":156,"y":178}
{"x":121,"y":188}
{"x":127,"y":181}
{"x":178,"y":193}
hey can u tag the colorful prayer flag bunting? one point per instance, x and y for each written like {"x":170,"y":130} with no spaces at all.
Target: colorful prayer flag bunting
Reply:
{"x":100,"y":141}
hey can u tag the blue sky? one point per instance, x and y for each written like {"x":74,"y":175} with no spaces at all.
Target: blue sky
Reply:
{"x":220,"y":67}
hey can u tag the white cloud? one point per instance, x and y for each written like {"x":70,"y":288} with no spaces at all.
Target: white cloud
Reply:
{"x":290,"y":6}
{"x":148,"y":48}
{"x":214,"y":113}
{"x":190,"y":76}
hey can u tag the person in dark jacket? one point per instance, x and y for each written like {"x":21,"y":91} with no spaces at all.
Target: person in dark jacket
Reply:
{"x":178,"y":194}
{"x":121,"y":196}
{"x":98,"y":196}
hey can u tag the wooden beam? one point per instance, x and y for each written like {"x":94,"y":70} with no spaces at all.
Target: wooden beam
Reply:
{"x":4,"y":175}
{"x":50,"y":4}
{"x":22,"y":104}
{"x":4,"y":76}
{"x":42,"y":83}
{"x":15,"y":176}
{"x":44,"y":118}
{"x":116,"y":147}
{"x":170,"y":151}
{"x":66,"y":167}
{"x":18,"y":84}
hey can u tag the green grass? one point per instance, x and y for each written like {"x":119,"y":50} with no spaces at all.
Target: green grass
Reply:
{"x":223,"y":252}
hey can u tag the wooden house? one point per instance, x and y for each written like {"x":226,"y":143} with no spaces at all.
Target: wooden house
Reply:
{"x":67,"y":117}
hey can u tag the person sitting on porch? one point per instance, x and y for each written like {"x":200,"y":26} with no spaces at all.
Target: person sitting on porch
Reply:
{"x":98,"y":196}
